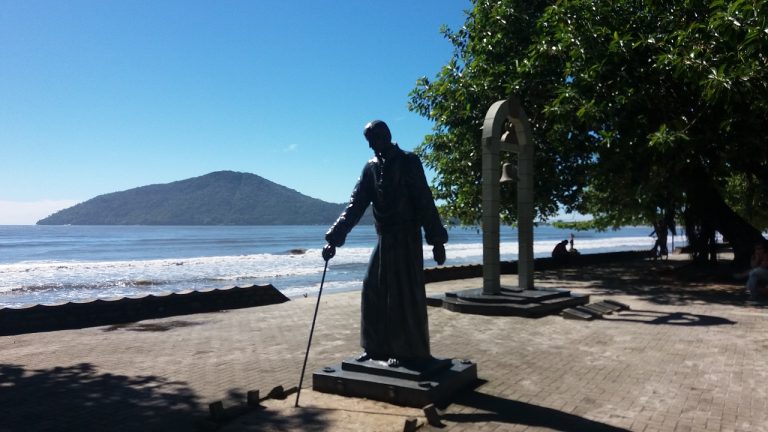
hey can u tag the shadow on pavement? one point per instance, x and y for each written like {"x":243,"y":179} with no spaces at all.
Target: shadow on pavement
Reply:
{"x":499,"y":410}
{"x":667,"y":318}
{"x":79,"y":398}
{"x":299,"y":419}
{"x":663,"y":283}
{"x":151,"y":326}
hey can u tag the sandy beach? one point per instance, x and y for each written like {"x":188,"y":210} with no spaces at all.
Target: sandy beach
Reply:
{"x":688,"y":356}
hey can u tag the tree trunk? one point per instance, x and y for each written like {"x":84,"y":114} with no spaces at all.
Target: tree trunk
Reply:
{"x":713,"y":213}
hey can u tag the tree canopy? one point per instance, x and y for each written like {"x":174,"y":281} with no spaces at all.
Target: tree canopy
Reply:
{"x":640,"y":110}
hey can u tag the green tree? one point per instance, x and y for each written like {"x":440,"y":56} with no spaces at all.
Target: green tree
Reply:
{"x":640,"y":110}
{"x":487,"y":51}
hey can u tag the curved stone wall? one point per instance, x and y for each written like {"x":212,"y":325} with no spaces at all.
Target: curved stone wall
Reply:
{"x":37,"y":318}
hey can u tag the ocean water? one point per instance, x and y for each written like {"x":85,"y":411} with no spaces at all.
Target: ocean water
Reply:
{"x":55,"y":264}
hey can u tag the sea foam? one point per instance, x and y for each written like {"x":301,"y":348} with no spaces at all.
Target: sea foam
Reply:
{"x":296,"y":274}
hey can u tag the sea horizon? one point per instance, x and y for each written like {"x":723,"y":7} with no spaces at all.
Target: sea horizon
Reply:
{"x":51,"y":264}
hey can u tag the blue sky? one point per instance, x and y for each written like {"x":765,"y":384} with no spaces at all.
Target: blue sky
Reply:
{"x":101,"y":96}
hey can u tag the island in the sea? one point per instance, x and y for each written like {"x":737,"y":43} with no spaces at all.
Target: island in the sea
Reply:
{"x":218,"y":198}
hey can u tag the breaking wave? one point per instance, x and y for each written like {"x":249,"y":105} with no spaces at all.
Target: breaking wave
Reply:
{"x":296,"y":274}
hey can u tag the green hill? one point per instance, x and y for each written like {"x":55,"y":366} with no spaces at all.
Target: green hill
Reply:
{"x":218,"y":198}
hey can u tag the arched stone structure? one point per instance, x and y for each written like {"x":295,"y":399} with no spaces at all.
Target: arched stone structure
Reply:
{"x":506,"y":128}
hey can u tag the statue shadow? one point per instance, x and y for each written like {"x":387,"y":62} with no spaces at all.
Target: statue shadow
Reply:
{"x":81,"y":398}
{"x":668,"y":318}
{"x":499,"y":410}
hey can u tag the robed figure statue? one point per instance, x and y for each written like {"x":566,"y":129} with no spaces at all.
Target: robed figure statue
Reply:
{"x":394,"y":324}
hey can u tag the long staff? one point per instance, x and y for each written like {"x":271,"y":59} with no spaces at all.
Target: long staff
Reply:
{"x":311,"y":331}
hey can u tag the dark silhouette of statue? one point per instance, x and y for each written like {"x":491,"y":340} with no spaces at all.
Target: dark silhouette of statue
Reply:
{"x":394,"y":310}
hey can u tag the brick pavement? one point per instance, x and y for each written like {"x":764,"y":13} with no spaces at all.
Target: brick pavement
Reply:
{"x":689,"y":356}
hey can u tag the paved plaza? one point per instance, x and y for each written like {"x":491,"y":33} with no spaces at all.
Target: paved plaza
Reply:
{"x":690,"y":355}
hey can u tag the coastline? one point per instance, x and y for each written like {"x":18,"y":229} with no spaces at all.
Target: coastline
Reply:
{"x":83,"y":263}
{"x":99,"y":312}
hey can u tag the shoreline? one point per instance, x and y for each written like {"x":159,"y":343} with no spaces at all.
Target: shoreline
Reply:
{"x":99,"y":312}
{"x":87,"y":264}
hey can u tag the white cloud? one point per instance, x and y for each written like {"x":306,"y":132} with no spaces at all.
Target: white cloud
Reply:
{"x":291,"y":148}
{"x":29,"y":212}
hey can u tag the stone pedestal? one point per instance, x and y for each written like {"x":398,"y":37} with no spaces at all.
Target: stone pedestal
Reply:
{"x":408,"y":385}
{"x":509,"y":301}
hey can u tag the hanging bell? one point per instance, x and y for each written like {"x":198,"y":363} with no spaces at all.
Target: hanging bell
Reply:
{"x":509,"y":137}
{"x":508,"y":173}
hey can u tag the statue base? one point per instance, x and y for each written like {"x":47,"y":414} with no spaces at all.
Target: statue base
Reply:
{"x":416,"y":386}
{"x":509,"y":301}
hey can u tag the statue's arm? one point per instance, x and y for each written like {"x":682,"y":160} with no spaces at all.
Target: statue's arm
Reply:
{"x":358,"y":203}
{"x":434,"y":231}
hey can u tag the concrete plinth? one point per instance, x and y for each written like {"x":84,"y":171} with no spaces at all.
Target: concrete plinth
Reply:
{"x":509,"y":301}
{"x":433,"y":382}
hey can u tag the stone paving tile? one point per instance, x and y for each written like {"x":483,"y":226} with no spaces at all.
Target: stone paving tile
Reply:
{"x":688,"y":356}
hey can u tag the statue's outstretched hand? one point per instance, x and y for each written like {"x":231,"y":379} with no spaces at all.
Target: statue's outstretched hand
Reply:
{"x":438,"y":252}
{"x":329,"y":251}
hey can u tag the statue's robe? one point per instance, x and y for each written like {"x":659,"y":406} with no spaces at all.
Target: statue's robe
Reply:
{"x":394,"y":310}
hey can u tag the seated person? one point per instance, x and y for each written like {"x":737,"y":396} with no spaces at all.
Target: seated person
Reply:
{"x":757,"y":284}
{"x":560,"y":252}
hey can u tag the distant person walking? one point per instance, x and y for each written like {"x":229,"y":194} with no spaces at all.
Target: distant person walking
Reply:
{"x":660,"y":246}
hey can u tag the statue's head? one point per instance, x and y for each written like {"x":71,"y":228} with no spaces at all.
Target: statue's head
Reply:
{"x":378,"y":136}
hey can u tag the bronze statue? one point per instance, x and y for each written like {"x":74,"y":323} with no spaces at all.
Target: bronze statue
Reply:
{"x":394,"y":310}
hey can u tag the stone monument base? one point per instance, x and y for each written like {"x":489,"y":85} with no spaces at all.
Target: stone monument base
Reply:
{"x":407,"y":385}
{"x":509,"y":301}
